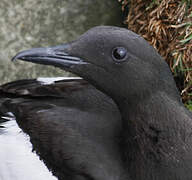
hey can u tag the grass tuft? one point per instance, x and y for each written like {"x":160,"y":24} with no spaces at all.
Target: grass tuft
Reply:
{"x":167,"y":25}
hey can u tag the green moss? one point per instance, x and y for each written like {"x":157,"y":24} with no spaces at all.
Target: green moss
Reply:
{"x":189,"y":105}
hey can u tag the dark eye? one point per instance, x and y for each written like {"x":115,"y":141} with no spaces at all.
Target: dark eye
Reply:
{"x":119,"y":54}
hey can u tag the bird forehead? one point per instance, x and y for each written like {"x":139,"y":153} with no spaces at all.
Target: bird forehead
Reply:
{"x":110,"y":32}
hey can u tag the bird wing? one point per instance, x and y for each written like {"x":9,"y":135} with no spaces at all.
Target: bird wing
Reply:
{"x":72,"y":126}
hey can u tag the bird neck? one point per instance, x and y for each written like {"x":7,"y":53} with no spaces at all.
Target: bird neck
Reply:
{"x":156,"y":116}
{"x":155,"y":131}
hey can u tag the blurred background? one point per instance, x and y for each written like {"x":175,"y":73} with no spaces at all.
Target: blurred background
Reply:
{"x":26,"y":23}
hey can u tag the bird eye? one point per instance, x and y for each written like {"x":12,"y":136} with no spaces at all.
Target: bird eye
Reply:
{"x":119,"y":54}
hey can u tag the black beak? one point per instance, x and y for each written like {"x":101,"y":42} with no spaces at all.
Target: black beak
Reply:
{"x":55,"y":56}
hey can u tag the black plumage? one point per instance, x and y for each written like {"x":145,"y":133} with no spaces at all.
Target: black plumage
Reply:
{"x":69,"y":125}
{"x":151,"y":136}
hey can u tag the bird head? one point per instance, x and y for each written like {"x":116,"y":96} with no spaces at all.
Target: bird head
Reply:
{"x":115,"y":60}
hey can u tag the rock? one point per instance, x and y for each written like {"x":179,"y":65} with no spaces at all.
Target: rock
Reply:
{"x":27,"y":23}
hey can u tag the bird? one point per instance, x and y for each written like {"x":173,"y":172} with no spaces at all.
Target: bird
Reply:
{"x":69,"y":126}
{"x":149,"y":127}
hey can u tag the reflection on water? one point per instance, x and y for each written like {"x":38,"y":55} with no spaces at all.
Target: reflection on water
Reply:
{"x":18,"y":162}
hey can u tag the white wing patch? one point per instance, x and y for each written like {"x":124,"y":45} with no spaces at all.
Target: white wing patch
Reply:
{"x":50,"y":80}
{"x":18,"y":162}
